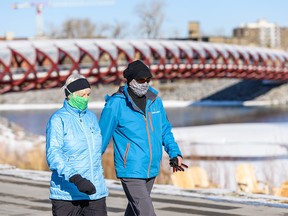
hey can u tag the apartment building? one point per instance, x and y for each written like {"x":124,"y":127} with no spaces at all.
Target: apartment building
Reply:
{"x":261,"y":33}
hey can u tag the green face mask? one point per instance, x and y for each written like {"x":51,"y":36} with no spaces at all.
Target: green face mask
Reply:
{"x":78,"y":102}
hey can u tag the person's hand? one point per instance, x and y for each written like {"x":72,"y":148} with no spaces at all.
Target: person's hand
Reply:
{"x":174,"y":163}
{"x":83,"y":184}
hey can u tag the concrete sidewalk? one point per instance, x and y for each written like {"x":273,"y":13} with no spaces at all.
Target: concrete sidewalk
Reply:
{"x":20,"y":196}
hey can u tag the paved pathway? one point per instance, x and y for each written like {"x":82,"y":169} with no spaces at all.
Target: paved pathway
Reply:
{"x":24,"y":197}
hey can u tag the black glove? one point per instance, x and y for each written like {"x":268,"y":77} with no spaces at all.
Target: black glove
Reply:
{"x":174,"y":164}
{"x":83,"y":184}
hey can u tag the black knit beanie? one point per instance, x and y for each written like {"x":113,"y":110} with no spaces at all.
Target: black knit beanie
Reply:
{"x":136,"y":70}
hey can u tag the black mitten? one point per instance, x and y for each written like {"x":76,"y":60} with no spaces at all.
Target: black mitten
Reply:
{"x":174,"y":164}
{"x":83,"y":184}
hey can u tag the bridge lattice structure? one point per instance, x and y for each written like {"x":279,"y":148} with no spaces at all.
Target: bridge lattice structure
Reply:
{"x":39,"y":64}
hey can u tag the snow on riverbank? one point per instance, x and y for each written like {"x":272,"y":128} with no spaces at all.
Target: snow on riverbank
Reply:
{"x":259,"y":136}
{"x":221,"y":148}
{"x":14,"y":137}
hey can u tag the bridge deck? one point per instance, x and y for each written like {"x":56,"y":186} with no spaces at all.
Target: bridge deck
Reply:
{"x":36,"y":64}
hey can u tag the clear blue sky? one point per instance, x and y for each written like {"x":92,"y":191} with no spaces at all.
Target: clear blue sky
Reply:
{"x":215,"y":16}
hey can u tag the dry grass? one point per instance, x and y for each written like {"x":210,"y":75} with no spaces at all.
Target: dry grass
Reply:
{"x":164,"y":177}
{"x":108,"y":163}
{"x":33,"y":159}
{"x":36,"y":159}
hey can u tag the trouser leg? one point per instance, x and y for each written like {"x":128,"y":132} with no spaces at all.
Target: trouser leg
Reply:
{"x":138,"y":194}
{"x":95,"y":207}
{"x":149,"y":184}
{"x":65,"y":208}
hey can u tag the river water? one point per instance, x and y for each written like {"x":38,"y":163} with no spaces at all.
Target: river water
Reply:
{"x":35,"y":121}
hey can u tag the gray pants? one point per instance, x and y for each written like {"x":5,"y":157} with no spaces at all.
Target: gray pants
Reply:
{"x":138,"y":194}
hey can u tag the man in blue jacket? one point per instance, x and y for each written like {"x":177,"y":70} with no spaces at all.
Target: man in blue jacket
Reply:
{"x":136,"y":119}
{"x":73,"y":152}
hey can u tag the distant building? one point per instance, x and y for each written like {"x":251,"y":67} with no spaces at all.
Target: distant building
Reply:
{"x":261,"y":34}
{"x":284,"y":38}
{"x":10,"y":36}
{"x":194,"y":30}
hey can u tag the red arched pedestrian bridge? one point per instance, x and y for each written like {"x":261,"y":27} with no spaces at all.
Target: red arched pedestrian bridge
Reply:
{"x":38,"y":64}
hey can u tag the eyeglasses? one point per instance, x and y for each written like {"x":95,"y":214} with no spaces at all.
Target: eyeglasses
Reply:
{"x":143,"y":80}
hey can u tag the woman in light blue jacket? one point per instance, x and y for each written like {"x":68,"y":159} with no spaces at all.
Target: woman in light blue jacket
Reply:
{"x":136,"y":119}
{"x":73,"y":153}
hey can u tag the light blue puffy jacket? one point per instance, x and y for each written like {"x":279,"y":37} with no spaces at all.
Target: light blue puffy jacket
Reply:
{"x":138,"y":138}
{"x":73,"y":146}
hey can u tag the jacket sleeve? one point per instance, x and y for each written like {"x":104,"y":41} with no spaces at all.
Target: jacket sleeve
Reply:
{"x":108,"y":123}
{"x":170,"y":146}
{"x":54,"y":142}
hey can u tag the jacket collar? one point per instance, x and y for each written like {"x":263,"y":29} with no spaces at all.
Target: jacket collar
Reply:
{"x":151,"y":95}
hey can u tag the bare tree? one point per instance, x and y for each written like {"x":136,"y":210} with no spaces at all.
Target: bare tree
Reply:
{"x":78,"y":28}
{"x":151,"y":16}
{"x":118,"y":30}
{"x":101,"y":30}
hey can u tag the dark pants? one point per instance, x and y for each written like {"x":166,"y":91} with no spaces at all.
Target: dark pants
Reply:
{"x":79,"y":207}
{"x":138,"y":194}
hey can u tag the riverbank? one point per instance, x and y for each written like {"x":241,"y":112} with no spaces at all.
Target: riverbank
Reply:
{"x":233,"y":91}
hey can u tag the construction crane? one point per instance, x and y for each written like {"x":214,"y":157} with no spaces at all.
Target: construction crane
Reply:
{"x":72,"y":3}
{"x":39,"y":7}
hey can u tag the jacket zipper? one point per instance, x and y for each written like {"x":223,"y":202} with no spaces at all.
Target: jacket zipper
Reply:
{"x":150,"y":147}
{"x":89,"y":149}
{"x":149,"y":137}
{"x":126,"y":154}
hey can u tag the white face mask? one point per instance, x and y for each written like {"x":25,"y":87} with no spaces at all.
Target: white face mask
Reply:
{"x":139,"y":89}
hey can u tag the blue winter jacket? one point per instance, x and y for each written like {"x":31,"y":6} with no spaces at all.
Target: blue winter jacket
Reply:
{"x":73,"y":146}
{"x":138,"y":138}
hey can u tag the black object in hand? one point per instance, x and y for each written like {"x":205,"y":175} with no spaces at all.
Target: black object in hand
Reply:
{"x":83,"y":184}
{"x":174,"y":164}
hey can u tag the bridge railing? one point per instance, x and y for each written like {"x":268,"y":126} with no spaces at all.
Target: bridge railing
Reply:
{"x":37,"y":64}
